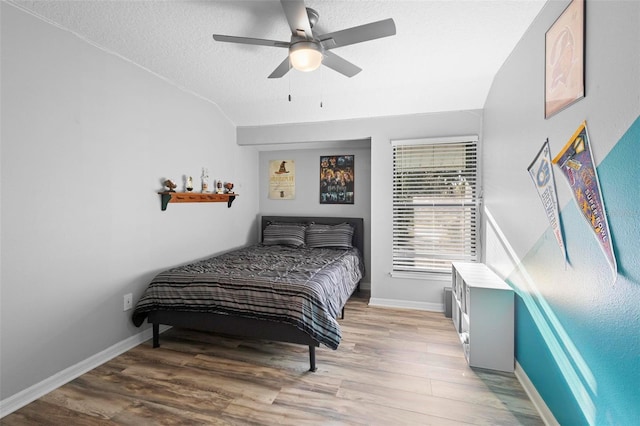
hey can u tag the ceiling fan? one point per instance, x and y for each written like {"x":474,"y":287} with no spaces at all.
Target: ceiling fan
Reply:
{"x":307,"y":49}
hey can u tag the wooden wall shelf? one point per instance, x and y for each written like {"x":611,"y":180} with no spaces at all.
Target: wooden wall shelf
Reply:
{"x":195,"y":197}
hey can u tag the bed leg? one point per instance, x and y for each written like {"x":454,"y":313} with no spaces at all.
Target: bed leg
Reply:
{"x":156,"y":335}
{"x":312,"y":358}
{"x":342,"y":316}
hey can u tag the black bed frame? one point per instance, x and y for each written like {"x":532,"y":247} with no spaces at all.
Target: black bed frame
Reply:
{"x":250,"y":327}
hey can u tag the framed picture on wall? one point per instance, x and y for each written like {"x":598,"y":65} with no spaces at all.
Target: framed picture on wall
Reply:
{"x":337,"y":179}
{"x":564,"y":59}
{"x":282,"y":179}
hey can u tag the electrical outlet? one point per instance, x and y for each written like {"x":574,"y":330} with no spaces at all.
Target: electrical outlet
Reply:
{"x":128,"y":301}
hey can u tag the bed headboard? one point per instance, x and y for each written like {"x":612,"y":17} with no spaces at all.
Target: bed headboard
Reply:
{"x":356,"y":222}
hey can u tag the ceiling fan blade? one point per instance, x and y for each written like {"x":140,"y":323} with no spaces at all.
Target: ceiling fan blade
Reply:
{"x":366,"y":32}
{"x":249,"y":40}
{"x":296,"y":13}
{"x":339,"y":64}
{"x":282,"y":69}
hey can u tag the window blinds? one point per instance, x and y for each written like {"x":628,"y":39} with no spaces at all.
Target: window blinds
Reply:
{"x":435,"y":203}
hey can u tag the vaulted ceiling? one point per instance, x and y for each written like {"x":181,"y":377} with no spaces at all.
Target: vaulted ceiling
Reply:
{"x":443,"y":57}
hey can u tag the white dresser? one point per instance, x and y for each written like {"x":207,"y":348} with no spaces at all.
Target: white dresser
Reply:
{"x":483,"y":314}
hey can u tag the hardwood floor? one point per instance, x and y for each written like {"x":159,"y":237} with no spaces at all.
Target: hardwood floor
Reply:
{"x":393,"y":367}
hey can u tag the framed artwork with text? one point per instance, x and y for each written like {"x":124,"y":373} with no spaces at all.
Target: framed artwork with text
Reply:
{"x":282,"y":179}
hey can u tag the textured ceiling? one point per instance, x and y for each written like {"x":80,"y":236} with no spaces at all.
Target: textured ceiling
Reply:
{"x":443,"y":57}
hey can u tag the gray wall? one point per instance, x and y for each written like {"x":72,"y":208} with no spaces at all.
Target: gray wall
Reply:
{"x":87,"y":139}
{"x":385,"y":290}
{"x":515,"y":127}
{"x":306,"y":202}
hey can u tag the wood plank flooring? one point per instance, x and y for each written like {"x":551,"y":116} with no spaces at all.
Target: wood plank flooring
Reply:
{"x":393,"y":367}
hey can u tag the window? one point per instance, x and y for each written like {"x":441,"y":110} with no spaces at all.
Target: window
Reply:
{"x":435,"y":203}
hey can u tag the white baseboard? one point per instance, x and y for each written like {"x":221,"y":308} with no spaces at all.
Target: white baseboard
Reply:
{"x":547,"y":416}
{"x":406,"y":304}
{"x":22,"y":398}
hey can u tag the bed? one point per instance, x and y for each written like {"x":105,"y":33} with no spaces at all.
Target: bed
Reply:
{"x":290,"y":287}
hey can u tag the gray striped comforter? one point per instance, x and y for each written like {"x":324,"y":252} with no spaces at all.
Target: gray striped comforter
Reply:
{"x":305,"y":287}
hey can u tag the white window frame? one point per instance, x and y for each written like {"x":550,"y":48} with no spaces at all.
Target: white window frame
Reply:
{"x":420,"y":256}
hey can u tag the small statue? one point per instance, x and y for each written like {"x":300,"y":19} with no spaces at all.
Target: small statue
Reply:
{"x":229,"y":187}
{"x":169,"y":184}
{"x":219,"y":188}
{"x":205,"y":179}
{"x":189,"y":185}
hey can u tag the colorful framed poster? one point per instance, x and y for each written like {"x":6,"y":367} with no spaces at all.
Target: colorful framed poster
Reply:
{"x":576,"y":162}
{"x":282,"y":179}
{"x":564,"y":59}
{"x":337,"y":179}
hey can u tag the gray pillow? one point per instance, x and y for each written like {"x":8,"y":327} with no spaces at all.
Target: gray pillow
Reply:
{"x":333,"y":236}
{"x":283,"y":234}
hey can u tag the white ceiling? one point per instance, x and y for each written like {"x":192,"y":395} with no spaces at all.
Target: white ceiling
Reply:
{"x":443,"y":57}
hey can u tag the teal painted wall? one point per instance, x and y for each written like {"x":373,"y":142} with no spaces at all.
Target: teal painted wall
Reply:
{"x":578,"y":331}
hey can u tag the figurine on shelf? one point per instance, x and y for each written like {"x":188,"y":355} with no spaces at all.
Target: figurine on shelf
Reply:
{"x":189,"y":185}
{"x":205,"y":180}
{"x":229,"y":187}
{"x":170,"y":185}
{"x":219,"y":188}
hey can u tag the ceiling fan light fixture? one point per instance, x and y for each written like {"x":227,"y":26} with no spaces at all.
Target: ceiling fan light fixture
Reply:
{"x":305,"y":56}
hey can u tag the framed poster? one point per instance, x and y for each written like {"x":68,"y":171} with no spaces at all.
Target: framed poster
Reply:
{"x":337,"y":179}
{"x":564,"y":59}
{"x":282,"y":179}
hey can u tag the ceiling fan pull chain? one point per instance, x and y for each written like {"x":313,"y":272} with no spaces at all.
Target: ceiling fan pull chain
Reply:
{"x":289,"y":78}
{"x":321,"y":86}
